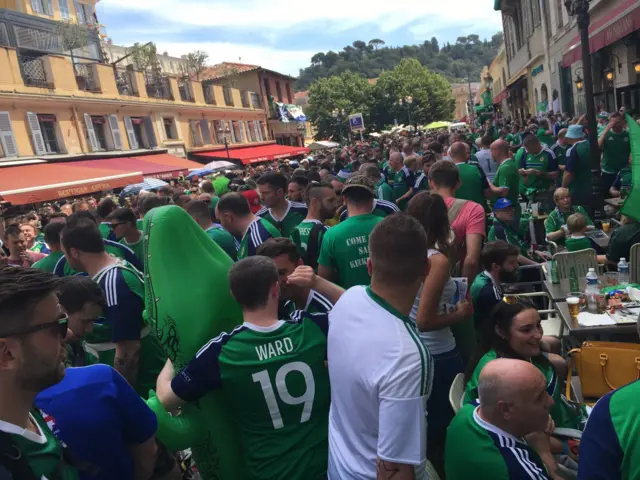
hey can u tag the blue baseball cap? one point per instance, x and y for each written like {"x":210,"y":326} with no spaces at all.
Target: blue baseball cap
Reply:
{"x":502,"y":203}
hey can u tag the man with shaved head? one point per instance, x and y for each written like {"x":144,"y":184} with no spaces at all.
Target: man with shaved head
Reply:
{"x":403,"y":179}
{"x":507,"y":179}
{"x":560,"y":149}
{"x":504,"y":437}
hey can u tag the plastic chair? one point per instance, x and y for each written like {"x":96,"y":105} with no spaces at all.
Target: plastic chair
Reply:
{"x":634,"y":264}
{"x":456,"y":392}
{"x":581,"y":261}
{"x":431,"y":472}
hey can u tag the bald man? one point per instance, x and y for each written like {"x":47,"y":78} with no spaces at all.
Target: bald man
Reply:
{"x":403,"y":180}
{"x":500,"y":439}
{"x":474,"y":185}
{"x":507,"y":179}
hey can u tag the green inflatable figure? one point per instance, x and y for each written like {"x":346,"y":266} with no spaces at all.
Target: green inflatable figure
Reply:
{"x":188,"y":302}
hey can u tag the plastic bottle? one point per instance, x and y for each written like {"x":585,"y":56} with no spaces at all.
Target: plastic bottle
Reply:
{"x":591,"y":291}
{"x":623,"y":272}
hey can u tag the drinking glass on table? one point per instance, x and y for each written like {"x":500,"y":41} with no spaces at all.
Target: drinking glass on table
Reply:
{"x":610,"y":279}
{"x":606,"y":227}
{"x":574,"y":307}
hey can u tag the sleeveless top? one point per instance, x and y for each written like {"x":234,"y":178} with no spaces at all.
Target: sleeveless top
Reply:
{"x":438,"y":341}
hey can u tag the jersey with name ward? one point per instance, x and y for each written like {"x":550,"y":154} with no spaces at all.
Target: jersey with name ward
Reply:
{"x":381,"y":376}
{"x":278,"y":383}
{"x":296,"y":212}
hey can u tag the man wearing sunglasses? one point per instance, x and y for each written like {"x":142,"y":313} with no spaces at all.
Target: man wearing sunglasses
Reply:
{"x":32,"y":330}
{"x":121,"y":340}
{"x":97,"y":399}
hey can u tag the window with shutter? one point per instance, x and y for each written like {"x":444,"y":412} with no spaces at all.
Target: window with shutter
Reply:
{"x":49,"y":6}
{"x":36,"y":6}
{"x":151,"y":134}
{"x":36,"y":134}
{"x":7,"y":139}
{"x":91,"y":134}
{"x":64,"y":9}
{"x":115,"y":132}
{"x":131,"y":134}
{"x":79,"y":12}
{"x":206,"y":135}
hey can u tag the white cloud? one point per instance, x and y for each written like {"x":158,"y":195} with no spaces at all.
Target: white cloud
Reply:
{"x":283,"y":61}
{"x":283,"y":14}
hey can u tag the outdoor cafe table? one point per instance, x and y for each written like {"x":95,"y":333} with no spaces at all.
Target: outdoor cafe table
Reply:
{"x":577,"y":330}
{"x":600,"y":237}
{"x":560,"y":291}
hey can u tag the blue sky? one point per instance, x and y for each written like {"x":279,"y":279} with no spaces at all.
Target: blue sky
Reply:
{"x":282,"y":35}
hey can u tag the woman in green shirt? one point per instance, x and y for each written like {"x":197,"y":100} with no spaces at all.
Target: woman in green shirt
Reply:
{"x":556,"y":223}
{"x":515,"y":331}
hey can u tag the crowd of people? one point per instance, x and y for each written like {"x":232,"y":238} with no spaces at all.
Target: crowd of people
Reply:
{"x":368,"y":276}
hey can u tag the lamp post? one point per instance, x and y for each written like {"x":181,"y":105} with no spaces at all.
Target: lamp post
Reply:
{"x":406,"y":102}
{"x":580,"y":9}
{"x":224,"y":132}
{"x":610,"y":76}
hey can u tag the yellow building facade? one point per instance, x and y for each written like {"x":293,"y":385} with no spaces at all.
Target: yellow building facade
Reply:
{"x":52,"y":107}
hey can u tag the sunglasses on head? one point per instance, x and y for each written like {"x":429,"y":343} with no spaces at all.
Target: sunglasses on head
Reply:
{"x":60,"y":325}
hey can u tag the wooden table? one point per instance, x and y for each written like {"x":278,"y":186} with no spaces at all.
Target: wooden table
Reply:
{"x":614,"y":202}
{"x":578,"y":330}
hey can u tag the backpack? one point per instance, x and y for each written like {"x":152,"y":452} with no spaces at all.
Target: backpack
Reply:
{"x":12,"y":462}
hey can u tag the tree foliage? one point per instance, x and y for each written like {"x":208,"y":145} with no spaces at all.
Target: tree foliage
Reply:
{"x":73,"y":36}
{"x":431,"y":94}
{"x":145,"y":57}
{"x":463,"y":59}
{"x":196,"y":63}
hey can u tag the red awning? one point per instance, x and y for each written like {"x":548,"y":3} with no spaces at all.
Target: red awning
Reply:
{"x":622,"y":20}
{"x":52,"y":181}
{"x":501,"y":96}
{"x":161,"y":165}
{"x":263,"y":153}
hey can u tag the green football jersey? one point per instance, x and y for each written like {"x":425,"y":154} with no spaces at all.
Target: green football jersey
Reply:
{"x":384,"y":191}
{"x":579,"y":163}
{"x":41,"y":450}
{"x":615,"y":151}
{"x":345,"y":249}
{"x":300,"y":235}
{"x":224,"y":239}
{"x":574,"y":244}
{"x":489,"y":452}
{"x":543,"y":162}
{"x":123,"y":287}
{"x":403,"y":180}
{"x":139,"y":224}
{"x":564,"y":413}
{"x":295,"y":214}
{"x":507,"y":176}
{"x":259,"y":231}
{"x":557,"y":219}
{"x":472,"y":184}
{"x":316,"y":303}
{"x":276,"y":379}
{"x":545,"y":138}
{"x":48,"y":263}
{"x":422,"y":184}
{"x":105,"y":230}
{"x":137,"y":247}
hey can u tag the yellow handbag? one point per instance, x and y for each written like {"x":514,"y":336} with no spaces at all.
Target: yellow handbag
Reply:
{"x":604,"y":366}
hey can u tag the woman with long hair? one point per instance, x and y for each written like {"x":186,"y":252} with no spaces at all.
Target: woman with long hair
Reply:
{"x":438,"y":306}
{"x":515,"y":331}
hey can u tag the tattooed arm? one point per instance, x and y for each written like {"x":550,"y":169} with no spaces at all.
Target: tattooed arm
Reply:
{"x":396,"y":471}
{"x":127,"y":359}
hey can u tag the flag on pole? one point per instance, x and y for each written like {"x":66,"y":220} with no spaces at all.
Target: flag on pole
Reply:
{"x":631,"y":207}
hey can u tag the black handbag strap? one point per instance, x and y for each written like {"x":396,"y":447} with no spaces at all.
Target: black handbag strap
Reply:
{"x":12,"y":460}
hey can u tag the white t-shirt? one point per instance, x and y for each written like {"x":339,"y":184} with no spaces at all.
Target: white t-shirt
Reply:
{"x":438,"y":341}
{"x":487,"y":163}
{"x":380,"y":375}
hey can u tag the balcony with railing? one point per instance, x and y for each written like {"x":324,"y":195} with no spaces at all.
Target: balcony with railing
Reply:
{"x":33,"y":71}
{"x":228,"y":96}
{"x":158,"y":86}
{"x":124,"y":84}
{"x":185,"y":91}
{"x":84,"y":77}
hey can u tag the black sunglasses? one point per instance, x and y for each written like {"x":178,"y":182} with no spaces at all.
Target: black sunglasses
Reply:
{"x":60,"y":325}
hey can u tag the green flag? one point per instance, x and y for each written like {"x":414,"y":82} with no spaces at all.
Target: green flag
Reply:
{"x":631,"y":207}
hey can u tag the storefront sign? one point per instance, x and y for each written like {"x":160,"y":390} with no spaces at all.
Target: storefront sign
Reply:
{"x":46,"y":118}
{"x":537,"y":70}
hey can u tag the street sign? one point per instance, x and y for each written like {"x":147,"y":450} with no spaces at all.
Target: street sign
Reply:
{"x":356,"y":122}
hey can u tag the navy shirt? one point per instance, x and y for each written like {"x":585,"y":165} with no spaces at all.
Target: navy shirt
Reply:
{"x":98,"y":415}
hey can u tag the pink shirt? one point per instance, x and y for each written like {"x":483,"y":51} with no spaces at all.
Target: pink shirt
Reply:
{"x":471,"y":219}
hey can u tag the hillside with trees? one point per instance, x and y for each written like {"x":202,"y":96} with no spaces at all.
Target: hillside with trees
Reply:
{"x":463,"y":59}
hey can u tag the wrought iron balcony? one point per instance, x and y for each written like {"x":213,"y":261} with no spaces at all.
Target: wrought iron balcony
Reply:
{"x":124,"y":84}
{"x":33,"y":72}
{"x":228,"y":96}
{"x":185,"y":91}
{"x":158,"y":86}
{"x":84,"y":77}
